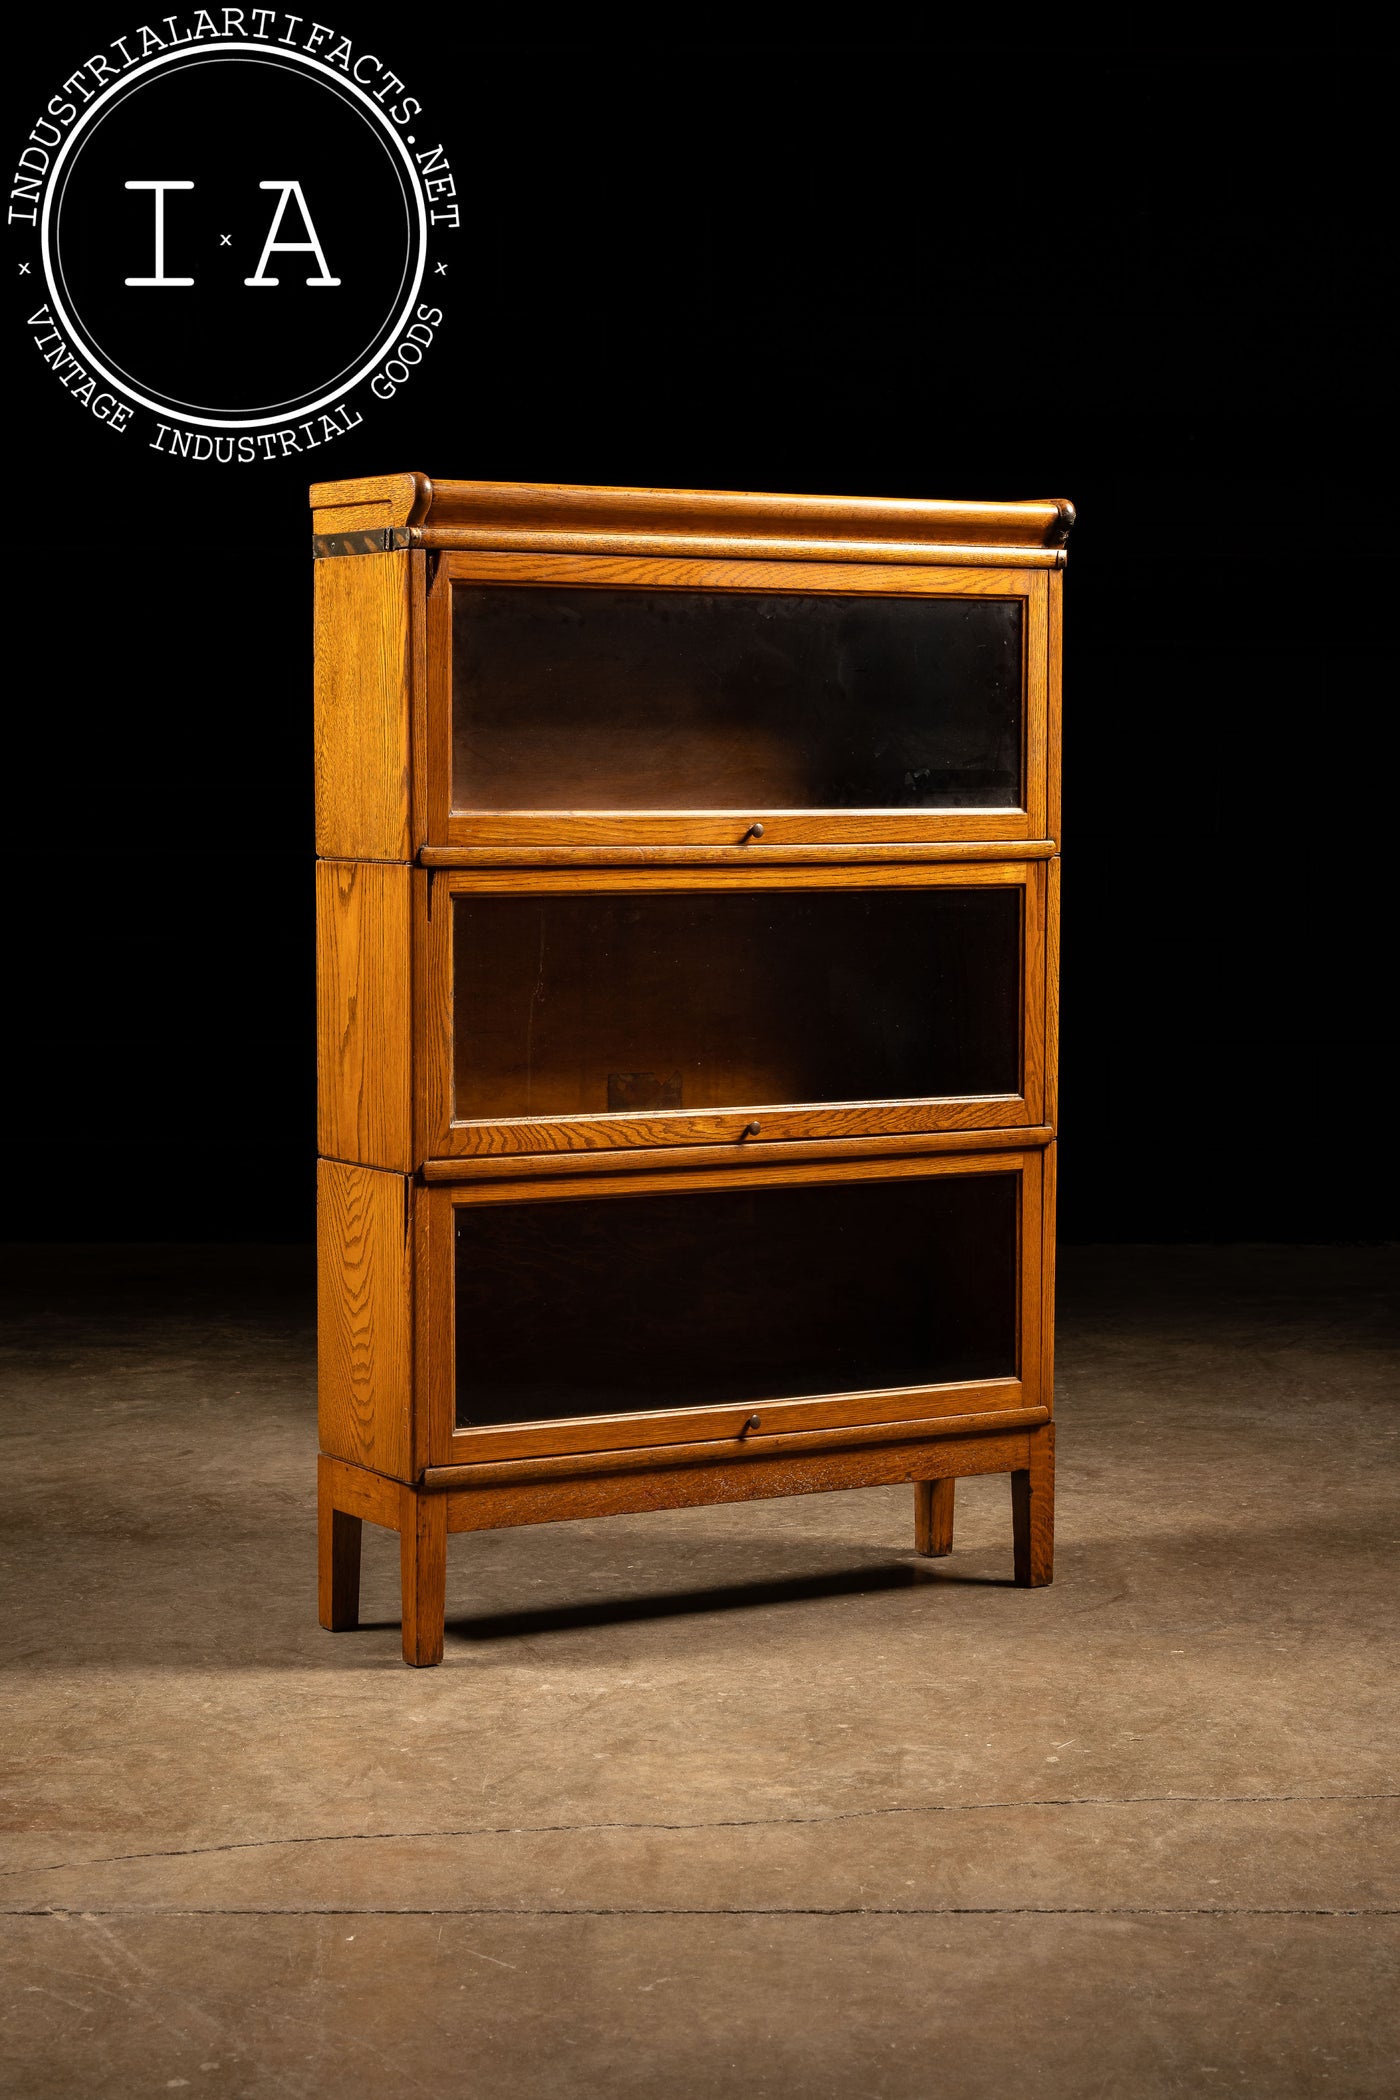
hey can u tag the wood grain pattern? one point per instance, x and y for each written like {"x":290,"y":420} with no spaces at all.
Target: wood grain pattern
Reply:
{"x":1031,"y":1310}
{"x":683,"y":547}
{"x":498,"y":1497}
{"x":449,"y":1445}
{"x":580,"y":1135}
{"x":1033,"y":960}
{"x":1037,"y":711}
{"x":496,"y":828}
{"x":681,"y":1176}
{"x":924,"y":873}
{"x":435,"y":708}
{"x":337,"y":1557}
{"x":931,"y":853}
{"x":427,"y":1331}
{"x":352,"y":517}
{"x":1045,"y":1390}
{"x":739,"y":572}
{"x":392,"y":1453}
{"x":1033,"y":1511}
{"x":526,"y":828}
{"x":1054,"y":696}
{"x":933,"y":1516}
{"x":731,"y":1480}
{"x":946,"y":1410}
{"x":443,"y":1134}
{"x":681,"y":552}
{"x":364,"y":1013}
{"x":364,"y":1317}
{"x":434,"y":980}
{"x":1051,"y":1106}
{"x":404,"y":499}
{"x":521,"y":1166}
{"x":436,"y":1300}
{"x":347,"y":1497}
{"x":783,"y":1433}
{"x":494,"y":512}
{"x":420,"y":771}
{"x":362,"y":684}
{"x":423,"y":1577}
{"x":359,"y":1493}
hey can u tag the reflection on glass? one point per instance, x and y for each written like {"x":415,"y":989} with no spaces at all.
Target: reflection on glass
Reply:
{"x":641,"y":1302}
{"x":664,"y":700}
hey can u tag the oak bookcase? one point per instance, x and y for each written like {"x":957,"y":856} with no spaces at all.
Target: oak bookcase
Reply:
{"x":687,"y":936}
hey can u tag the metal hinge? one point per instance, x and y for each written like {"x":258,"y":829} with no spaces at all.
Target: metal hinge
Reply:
{"x":385,"y":539}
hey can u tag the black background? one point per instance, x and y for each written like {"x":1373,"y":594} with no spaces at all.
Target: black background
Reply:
{"x":1146,"y":277}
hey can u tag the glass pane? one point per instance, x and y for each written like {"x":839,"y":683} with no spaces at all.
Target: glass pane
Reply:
{"x":640,"y":1302}
{"x":581,"y":1005}
{"x":597,"y":699}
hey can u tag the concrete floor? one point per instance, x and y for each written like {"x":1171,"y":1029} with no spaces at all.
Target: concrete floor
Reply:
{"x":741,"y":1801}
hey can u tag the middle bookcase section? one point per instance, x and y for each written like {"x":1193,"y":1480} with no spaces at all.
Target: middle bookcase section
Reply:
{"x":648,"y":1009}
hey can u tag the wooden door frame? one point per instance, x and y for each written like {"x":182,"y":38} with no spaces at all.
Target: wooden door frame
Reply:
{"x":441,"y":1136}
{"x":953,"y":1406}
{"x":443,"y":826}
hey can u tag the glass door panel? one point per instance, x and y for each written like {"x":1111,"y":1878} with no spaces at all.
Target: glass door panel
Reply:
{"x":605,"y":1306}
{"x":589,"y":1005}
{"x":569,"y":699}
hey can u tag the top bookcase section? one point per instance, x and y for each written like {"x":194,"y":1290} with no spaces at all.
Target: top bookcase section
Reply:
{"x":504,"y":666}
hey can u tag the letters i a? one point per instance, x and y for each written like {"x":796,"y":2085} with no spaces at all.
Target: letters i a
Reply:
{"x":272,"y":246}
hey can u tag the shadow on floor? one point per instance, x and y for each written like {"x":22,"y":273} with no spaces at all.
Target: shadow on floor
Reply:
{"x":738,"y":1596}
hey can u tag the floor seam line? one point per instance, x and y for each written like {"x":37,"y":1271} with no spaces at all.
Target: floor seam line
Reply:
{"x":381,"y":1837}
{"x":680,"y":1910}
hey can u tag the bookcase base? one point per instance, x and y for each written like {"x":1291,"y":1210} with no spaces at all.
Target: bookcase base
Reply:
{"x":615,"y":1484}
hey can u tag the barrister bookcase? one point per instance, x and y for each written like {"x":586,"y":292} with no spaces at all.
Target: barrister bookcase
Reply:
{"x":687,"y":934}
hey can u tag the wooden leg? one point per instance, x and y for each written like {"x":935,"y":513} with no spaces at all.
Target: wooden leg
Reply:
{"x":423,"y":1565}
{"x":933,"y":1516}
{"x":1033,"y":1513}
{"x":337,"y":1560}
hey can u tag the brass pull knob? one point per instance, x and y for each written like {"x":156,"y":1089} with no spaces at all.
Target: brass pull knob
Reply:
{"x":752,"y":1423}
{"x":755,"y":831}
{"x":749,"y":1130}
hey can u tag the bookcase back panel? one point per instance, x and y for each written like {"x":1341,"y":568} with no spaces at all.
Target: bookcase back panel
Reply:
{"x":594,"y":699}
{"x":611,"y":1004}
{"x":604,"y":1307}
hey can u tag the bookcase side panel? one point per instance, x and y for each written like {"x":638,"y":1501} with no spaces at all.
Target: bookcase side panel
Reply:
{"x":365,"y":1317}
{"x":363,"y":679}
{"x":364,"y":1103}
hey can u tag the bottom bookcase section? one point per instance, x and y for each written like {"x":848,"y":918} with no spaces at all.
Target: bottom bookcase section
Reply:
{"x":605,"y":1312}
{"x":609,"y":1484}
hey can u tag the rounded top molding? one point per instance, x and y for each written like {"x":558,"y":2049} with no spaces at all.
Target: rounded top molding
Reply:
{"x":559,"y":516}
